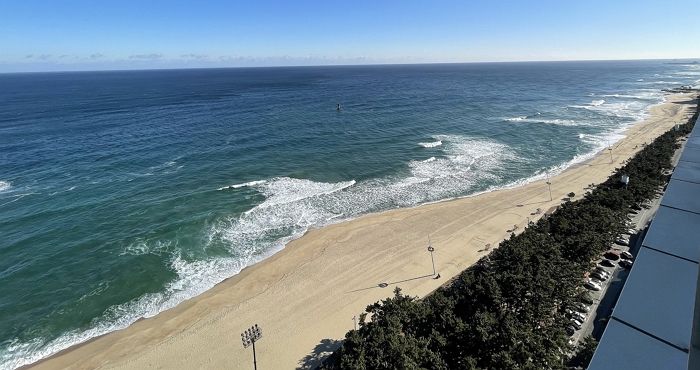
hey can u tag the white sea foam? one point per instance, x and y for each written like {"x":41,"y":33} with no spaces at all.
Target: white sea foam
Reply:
{"x":634,"y":108}
{"x":245,"y":184}
{"x":661,"y":82}
{"x":515,"y":119}
{"x":142,"y":246}
{"x":290,"y":208}
{"x":640,"y":96}
{"x":688,"y":73}
{"x":596,"y":103}
{"x":536,"y":119}
{"x":193,"y":279}
{"x":5,"y":185}
{"x":431,"y":144}
{"x":62,"y":191}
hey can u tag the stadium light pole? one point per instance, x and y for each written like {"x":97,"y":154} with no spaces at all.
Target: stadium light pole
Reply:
{"x":249,"y":337}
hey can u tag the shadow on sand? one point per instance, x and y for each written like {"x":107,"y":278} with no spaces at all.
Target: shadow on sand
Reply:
{"x":386,"y":284}
{"x":319,"y":353}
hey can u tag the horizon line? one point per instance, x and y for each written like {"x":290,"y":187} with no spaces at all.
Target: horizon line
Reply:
{"x":694,"y":59}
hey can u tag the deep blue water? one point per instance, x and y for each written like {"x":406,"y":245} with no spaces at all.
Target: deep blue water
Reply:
{"x":124,"y":193}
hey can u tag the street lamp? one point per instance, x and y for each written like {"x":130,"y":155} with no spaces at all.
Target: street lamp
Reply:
{"x":431,"y":250}
{"x":249,"y":337}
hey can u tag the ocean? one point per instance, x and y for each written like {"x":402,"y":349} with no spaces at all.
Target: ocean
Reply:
{"x":123,"y":193}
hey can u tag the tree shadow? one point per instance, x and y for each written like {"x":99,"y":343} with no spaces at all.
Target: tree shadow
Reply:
{"x":319,"y":353}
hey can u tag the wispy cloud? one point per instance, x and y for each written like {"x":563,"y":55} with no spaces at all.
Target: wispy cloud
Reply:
{"x":96,"y":56}
{"x":38,"y":56}
{"x":153,"y":56}
{"x":194,"y":56}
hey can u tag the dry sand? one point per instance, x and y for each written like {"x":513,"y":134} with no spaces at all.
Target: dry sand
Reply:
{"x":305,"y":296}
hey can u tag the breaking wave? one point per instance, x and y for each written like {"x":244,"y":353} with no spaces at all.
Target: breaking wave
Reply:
{"x":431,"y":144}
{"x":537,"y":118}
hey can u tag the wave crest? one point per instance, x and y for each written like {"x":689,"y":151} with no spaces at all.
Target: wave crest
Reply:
{"x":431,"y":144}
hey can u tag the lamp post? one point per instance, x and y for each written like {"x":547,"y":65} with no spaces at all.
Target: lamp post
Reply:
{"x":431,"y":250}
{"x":549,"y":187}
{"x":249,"y":337}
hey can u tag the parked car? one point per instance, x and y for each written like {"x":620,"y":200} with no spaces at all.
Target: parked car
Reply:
{"x":599,"y":276}
{"x":636,"y":207}
{"x":627,"y":255}
{"x":570,"y":330}
{"x":593,"y":285}
{"x":607,"y":263}
{"x":575,"y":315}
{"x":602,"y":271}
{"x":582,"y":308}
{"x":611,"y":256}
{"x":621,"y":241}
{"x":631,"y":231}
{"x":626,"y":264}
{"x":577,"y":323}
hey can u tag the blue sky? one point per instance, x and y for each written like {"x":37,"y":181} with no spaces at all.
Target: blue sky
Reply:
{"x":40,"y":35}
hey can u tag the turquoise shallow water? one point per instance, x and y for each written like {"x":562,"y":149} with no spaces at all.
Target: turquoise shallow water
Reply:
{"x":125,"y":193}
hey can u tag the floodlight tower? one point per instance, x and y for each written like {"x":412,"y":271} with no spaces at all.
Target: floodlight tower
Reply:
{"x":249,"y":337}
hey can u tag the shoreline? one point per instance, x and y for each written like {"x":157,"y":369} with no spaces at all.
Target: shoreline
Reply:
{"x":335,"y":258}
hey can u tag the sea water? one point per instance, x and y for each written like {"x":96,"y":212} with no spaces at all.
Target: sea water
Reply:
{"x":124,"y":193}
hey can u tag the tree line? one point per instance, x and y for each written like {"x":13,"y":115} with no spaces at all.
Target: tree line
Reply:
{"x":508,"y":311}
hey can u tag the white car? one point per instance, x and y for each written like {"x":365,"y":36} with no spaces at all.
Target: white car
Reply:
{"x":577,"y":323}
{"x":631,"y":231}
{"x":603,"y":273}
{"x":626,"y":255}
{"x":593,"y":285}
{"x":622,"y":241}
{"x":576,"y":315}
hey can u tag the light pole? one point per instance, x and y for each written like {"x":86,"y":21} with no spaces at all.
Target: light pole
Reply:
{"x":249,"y":337}
{"x":431,"y":250}
{"x":549,"y":186}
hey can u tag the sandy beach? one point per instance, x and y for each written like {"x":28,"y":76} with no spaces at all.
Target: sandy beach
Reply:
{"x":305,"y":297}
